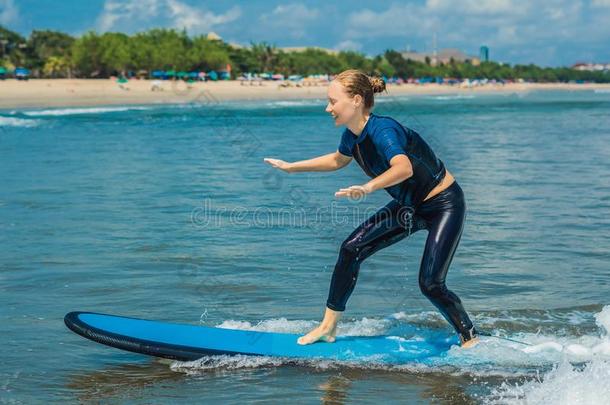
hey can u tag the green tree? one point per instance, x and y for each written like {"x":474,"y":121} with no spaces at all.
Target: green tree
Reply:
{"x":265,"y":56}
{"x":43,"y":45}
{"x":207,"y":55}
{"x":86,"y":55}
{"x":57,"y":66}
{"x":115,"y":56}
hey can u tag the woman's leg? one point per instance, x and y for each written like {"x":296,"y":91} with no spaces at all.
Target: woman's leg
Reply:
{"x":384,"y":228}
{"x":445,"y":214}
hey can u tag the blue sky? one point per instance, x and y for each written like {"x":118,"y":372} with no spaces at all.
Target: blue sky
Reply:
{"x":544,"y":32}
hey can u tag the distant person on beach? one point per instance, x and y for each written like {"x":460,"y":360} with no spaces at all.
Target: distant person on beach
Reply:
{"x":156,"y":85}
{"x":425,"y":196}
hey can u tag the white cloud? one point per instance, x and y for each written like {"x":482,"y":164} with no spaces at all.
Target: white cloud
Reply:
{"x":530,"y":29}
{"x":348,"y":45}
{"x":406,"y":20}
{"x":600,"y":3}
{"x":193,"y":19}
{"x":117,"y":11}
{"x":503,"y":21}
{"x":477,"y":7}
{"x":129,"y":14}
{"x":9,"y":13}
{"x":293,"y":19}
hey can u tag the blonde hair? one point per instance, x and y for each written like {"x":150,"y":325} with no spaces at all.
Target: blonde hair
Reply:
{"x":357,"y":82}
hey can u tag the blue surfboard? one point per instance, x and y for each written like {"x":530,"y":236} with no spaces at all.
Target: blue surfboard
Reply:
{"x":190,"y":342}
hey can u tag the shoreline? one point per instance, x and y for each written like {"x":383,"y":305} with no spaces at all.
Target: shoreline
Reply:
{"x":44,"y":93}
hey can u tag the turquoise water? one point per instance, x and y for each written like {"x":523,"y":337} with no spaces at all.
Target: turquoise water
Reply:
{"x":170,"y":213}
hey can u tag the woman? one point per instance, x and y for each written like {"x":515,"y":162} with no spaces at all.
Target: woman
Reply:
{"x":425,"y":196}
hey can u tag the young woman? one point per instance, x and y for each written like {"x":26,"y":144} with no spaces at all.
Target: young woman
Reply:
{"x":425,"y":196}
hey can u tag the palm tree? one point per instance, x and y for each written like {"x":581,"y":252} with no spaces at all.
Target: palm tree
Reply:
{"x":265,"y":55}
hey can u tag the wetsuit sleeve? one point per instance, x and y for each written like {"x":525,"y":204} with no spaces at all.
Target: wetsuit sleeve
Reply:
{"x":345,"y":144}
{"x":390,"y":143}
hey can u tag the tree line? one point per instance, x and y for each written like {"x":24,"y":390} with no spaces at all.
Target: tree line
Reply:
{"x":53,"y":54}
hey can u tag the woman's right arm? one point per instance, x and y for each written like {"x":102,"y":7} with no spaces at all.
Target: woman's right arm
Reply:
{"x":325,"y":163}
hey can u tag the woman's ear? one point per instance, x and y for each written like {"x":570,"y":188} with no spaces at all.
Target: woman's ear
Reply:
{"x":357,"y":100}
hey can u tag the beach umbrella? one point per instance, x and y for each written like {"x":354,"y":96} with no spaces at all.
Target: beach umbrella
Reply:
{"x":213,"y":75}
{"x":22,"y":73}
{"x":170,"y":73}
{"x":181,"y":74}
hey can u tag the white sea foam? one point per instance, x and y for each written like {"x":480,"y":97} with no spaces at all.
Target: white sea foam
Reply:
{"x":559,"y":368}
{"x":453,"y":97}
{"x":81,"y":110}
{"x":362,"y":327}
{"x":567,"y":383}
{"x":17,"y":122}
{"x":295,"y":103}
{"x":249,"y":104}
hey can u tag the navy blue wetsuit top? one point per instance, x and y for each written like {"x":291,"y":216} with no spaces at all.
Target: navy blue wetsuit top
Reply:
{"x":383,"y":138}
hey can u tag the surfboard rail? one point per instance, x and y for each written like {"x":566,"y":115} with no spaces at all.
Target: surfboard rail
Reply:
{"x":190,"y":342}
{"x":136,"y":345}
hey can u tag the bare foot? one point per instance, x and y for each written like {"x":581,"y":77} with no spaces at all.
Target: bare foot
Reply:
{"x":470,"y":343}
{"x":319,"y":333}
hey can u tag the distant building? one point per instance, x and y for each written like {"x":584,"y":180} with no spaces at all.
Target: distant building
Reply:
{"x":304,"y":48}
{"x":484,"y":54}
{"x":592,"y":67}
{"x":443,"y":56}
{"x":212,"y":36}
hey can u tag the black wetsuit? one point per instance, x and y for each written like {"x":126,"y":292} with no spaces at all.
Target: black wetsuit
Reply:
{"x":442,"y":215}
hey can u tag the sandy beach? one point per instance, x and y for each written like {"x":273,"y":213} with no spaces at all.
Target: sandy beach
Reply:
{"x":91,"y":92}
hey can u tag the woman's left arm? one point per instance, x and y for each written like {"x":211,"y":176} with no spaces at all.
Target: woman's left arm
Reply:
{"x":400,"y":170}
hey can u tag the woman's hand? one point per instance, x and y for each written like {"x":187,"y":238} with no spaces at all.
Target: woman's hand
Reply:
{"x":354,"y":192}
{"x":278,"y":164}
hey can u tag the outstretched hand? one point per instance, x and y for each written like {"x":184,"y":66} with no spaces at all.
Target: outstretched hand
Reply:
{"x":278,"y":164}
{"x":355,"y":192}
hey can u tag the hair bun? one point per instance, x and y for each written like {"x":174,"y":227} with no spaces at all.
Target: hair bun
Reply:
{"x":377,"y":83}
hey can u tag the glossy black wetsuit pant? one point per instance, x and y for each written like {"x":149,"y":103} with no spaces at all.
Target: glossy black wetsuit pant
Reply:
{"x":443,"y":216}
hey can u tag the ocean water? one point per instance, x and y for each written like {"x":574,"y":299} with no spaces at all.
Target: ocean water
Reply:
{"x":170,"y":213}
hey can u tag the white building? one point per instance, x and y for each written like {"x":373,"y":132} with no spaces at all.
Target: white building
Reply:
{"x":592,"y":67}
{"x":443,"y":56}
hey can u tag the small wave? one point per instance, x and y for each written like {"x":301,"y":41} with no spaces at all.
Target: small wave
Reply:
{"x":602,"y":91}
{"x":565,"y":384}
{"x":226,"y":362}
{"x":456,"y":97}
{"x":391,"y":99}
{"x":17,"y":122}
{"x":543,"y":362}
{"x":295,"y":103}
{"x":547,"y":321}
{"x":363,"y":327}
{"x":249,"y":104}
{"x":78,"y":111}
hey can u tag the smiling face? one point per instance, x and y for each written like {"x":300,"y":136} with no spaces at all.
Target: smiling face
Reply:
{"x":341,"y":106}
